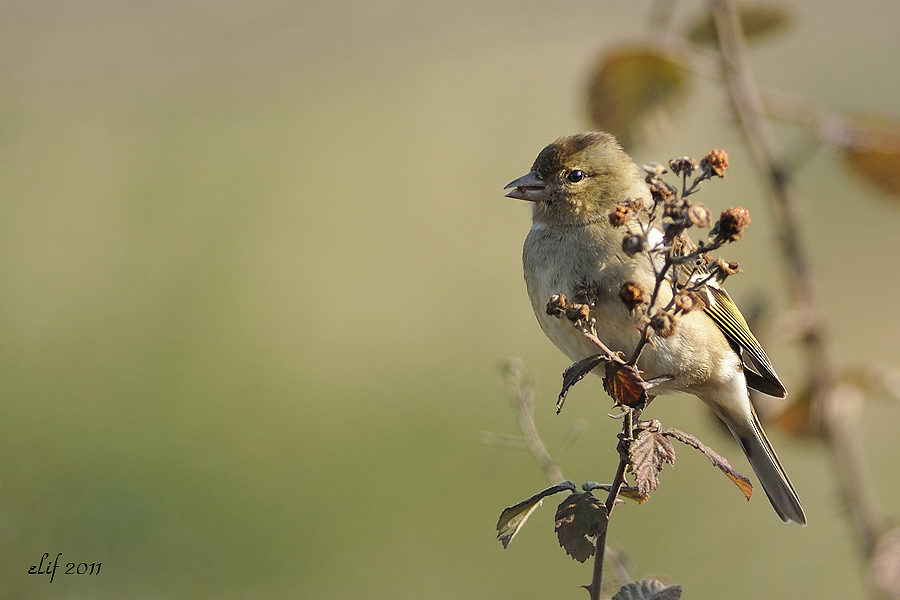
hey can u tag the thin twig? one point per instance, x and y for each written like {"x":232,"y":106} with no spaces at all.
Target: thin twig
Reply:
{"x":503,"y":440}
{"x":577,"y":429}
{"x":522,"y":400}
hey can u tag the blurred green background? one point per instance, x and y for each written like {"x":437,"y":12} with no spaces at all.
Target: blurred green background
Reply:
{"x":257,"y":272}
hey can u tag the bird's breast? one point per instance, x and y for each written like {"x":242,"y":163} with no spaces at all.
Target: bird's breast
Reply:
{"x":558,"y":262}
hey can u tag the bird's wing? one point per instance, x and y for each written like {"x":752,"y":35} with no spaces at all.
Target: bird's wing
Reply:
{"x":725,"y":313}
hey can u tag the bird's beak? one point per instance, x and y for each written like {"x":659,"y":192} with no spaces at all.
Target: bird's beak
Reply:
{"x":528,"y":187}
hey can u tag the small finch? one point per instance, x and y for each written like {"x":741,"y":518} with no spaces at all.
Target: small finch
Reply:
{"x":574,"y":185}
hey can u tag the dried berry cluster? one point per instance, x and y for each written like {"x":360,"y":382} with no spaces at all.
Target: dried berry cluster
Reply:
{"x":559,"y":306}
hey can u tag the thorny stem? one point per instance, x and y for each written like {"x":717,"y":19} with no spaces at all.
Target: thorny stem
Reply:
{"x":618,"y":480}
{"x":851,"y":477}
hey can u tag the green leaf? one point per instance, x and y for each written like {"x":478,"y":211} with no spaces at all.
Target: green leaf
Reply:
{"x":513,"y":517}
{"x":648,"y":589}
{"x":576,"y":373}
{"x":633,"y":91}
{"x":578,"y":520}
{"x":758,"y":22}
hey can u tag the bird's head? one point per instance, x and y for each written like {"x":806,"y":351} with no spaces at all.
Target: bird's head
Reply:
{"x":578,"y":179}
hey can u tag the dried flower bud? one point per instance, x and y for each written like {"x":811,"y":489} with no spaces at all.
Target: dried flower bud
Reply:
{"x":632,"y":294}
{"x":731,"y":224}
{"x":699,"y":215}
{"x":687,"y":301}
{"x":578,"y":312}
{"x":715,"y":161}
{"x":661,"y":191}
{"x":586,"y":295}
{"x":634,"y":204}
{"x":557,"y":305}
{"x":620,"y":215}
{"x":676,"y":208}
{"x":663,"y":323}
{"x":725,"y":268}
{"x":683,"y":164}
{"x":632,"y":244}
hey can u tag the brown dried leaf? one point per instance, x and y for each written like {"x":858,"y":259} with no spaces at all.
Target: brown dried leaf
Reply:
{"x":632,"y":89}
{"x":578,"y":519}
{"x":625,"y":384}
{"x":648,"y":589}
{"x":647,"y":454}
{"x":576,"y":373}
{"x":717,"y":459}
{"x":513,"y":517}
{"x":758,"y":22}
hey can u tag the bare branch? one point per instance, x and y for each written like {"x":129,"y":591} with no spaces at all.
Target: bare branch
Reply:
{"x":521,"y":397}
{"x":842,"y":440}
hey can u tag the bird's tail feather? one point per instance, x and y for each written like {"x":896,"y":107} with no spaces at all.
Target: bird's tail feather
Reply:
{"x":771,"y":474}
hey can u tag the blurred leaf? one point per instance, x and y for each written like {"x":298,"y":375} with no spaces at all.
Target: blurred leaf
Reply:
{"x":796,"y":418}
{"x":512,"y":518}
{"x":872,"y":151}
{"x":758,"y":21}
{"x":717,"y":459}
{"x":625,"y":384}
{"x":647,"y":454}
{"x":576,"y":373}
{"x":633,"y":91}
{"x":578,"y":519}
{"x":648,"y":589}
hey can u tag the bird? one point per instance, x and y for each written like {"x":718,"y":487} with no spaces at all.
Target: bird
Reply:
{"x":573,"y":186}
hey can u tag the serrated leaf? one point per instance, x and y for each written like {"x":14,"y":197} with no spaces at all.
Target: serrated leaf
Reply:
{"x":578,"y":519}
{"x":873,"y":152}
{"x":648,"y":589}
{"x":625,"y":384}
{"x":513,"y":517}
{"x":758,"y":22}
{"x":576,"y":373}
{"x":647,"y":454}
{"x":717,"y":459}
{"x":633,"y":89}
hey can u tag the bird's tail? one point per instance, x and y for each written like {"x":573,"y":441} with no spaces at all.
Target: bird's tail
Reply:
{"x":768,"y":469}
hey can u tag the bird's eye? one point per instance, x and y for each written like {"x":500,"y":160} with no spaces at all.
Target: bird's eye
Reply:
{"x":575,"y":176}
